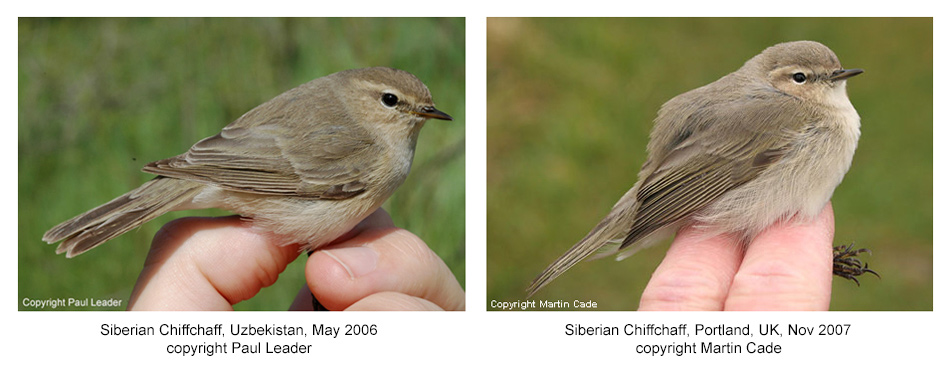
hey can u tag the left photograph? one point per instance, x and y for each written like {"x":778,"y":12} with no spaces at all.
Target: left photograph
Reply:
{"x":246,"y":164}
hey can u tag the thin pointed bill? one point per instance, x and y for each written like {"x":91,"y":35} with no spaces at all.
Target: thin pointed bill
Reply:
{"x":844,"y":74}
{"x":432,"y":113}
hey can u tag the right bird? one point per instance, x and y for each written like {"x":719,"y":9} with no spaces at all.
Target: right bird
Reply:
{"x":768,"y":142}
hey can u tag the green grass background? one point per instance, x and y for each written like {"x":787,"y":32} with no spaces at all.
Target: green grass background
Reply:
{"x":570,"y":108}
{"x":100,"y":98}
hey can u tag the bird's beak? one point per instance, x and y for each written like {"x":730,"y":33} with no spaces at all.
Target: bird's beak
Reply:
{"x":844,"y":74}
{"x":432,"y":113}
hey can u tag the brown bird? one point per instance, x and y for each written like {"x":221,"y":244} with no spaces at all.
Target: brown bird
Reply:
{"x":769,"y":142}
{"x":306,"y":166}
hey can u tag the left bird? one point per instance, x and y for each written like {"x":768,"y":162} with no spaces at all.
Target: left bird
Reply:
{"x":305,"y":166}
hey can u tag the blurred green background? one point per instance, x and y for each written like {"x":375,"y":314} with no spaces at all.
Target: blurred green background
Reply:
{"x":570,"y":108}
{"x":100,"y":98}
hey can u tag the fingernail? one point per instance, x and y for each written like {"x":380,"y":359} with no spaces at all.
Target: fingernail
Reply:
{"x":358,"y":261}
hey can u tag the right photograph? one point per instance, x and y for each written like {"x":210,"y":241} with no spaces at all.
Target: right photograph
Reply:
{"x":710,"y":164}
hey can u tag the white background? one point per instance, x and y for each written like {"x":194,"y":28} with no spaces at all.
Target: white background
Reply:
{"x":476,"y":338}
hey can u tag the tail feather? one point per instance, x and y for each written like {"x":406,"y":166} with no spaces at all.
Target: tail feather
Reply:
{"x":613,"y":235}
{"x":124,"y":213}
{"x":603,"y":234}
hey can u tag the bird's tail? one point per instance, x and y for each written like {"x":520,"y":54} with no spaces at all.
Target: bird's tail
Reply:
{"x":96,"y":226}
{"x":599,"y":238}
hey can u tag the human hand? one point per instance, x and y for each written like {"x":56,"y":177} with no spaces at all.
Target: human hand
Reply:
{"x":213,"y":263}
{"x":786,"y":267}
{"x":380,"y":268}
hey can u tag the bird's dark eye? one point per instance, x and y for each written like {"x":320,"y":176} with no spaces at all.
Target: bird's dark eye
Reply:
{"x":390,"y":100}
{"x":799,"y":77}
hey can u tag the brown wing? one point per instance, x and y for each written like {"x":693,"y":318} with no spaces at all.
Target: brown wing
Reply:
{"x":705,"y":164}
{"x":269,"y":159}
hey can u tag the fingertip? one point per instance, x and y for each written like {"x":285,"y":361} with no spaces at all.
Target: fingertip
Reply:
{"x":695,"y":274}
{"x":208,"y":263}
{"x":381,"y":260}
{"x":787,"y":267}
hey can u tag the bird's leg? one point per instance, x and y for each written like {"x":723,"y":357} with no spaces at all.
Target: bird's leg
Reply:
{"x":847,"y":265}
